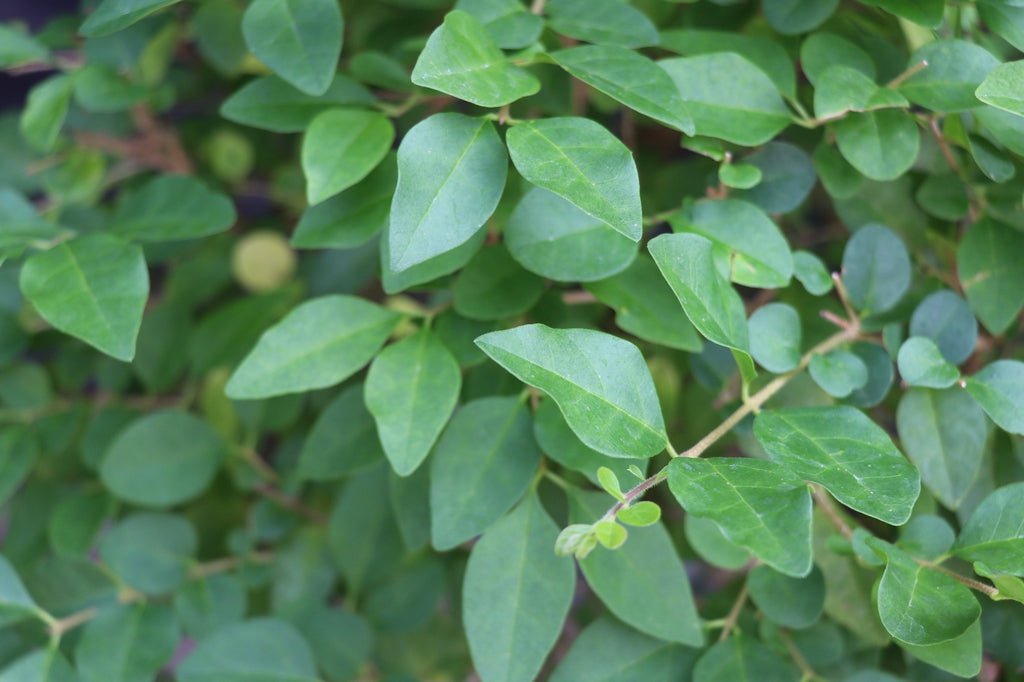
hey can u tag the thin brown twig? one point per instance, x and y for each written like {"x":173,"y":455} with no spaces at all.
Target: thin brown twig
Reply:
{"x":835,"y":518}
{"x":734,"y":614}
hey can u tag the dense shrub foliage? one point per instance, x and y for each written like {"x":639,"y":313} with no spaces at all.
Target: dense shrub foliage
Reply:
{"x":590,"y":340}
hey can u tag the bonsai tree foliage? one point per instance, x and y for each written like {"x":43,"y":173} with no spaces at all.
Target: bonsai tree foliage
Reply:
{"x":586,"y":340}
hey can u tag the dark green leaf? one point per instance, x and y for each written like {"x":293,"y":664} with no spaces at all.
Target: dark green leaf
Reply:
{"x":272,"y":104}
{"x":988,"y":267}
{"x":261,"y":649}
{"x":790,"y":602}
{"x":839,"y":373}
{"x":150,"y":552}
{"x":742,"y":658}
{"x":881,"y":144}
{"x":947,"y":320}
{"x":127,"y":643}
{"x":114,"y":15}
{"x":605,"y":22}
{"x":876,"y":269}
{"x":775,"y":337}
{"x":493,"y":286}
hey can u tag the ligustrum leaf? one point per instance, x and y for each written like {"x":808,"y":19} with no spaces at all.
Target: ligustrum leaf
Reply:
{"x":994,"y":533}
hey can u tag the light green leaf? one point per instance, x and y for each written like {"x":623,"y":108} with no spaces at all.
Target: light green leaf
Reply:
{"x":461,"y":59}
{"x":775,"y":337}
{"x":128,"y":643}
{"x":272,"y":104}
{"x":742,"y":658}
{"x":921,"y":364}
{"x":656,"y":599}
{"x":630,"y":78}
{"x":728,"y":97}
{"x":640,"y":514}
{"x":320,"y":343}
{"x":988,"y":265}
{"x":876,"y":269}
{"x":758,"y":505}
{"x":600,"y":382}
{"x":947,"y":320}
{"x":15,"y":601}
{"x":757,"y":253}
{"x":41,"y":665}
{"x":1002,"y":88}
{"x":605,"y":22}
{"x":172,"y":208}
{"x":18,"y":47}
{"x":944,"y":434}
{"x":343,"y":439}
{"x":791,"y":602}
{"x":261,"y":649}
{"x":549,"y":236}
{"x":579,"y":160}
{"x":162,"y":460}
{"x":955,"y":70}
{"x":846,"y":452}
{"x":999,"y":389}
{"x":45,"y":111}
{"x":709,"y":301}
{"x":881,"y":144}
{"x":798,"y":16}
{"x":739,"y":175}
{"x":114,"y":15}
{"x":340,"y":148}
{"x":451,"y":173}
{"x":839,"y":373}
{"x":411,"y":390}
{"x":842,"y":89}
{"x":481,"y":466}
{"x":300,"y":40}
{"x":608,"y":651}
{"x":919,"y":605}
{"x":646,"y":307}
{"x":516,"y":594}
{"x":924,"y":12}
{"x":508,"y":22}
{"x":430,"y":269}
{"x":994,"y":533}
{"x":493,"y":286}
{"x":610,"y":482}
{"x":352,"y":218}
{"x":763,"y":52}
{"x":94,"y":288}
{"x":22,"y":225}
{"x":961,"y":656}
{"x":210,"y":603}
{"x":150,"y":552}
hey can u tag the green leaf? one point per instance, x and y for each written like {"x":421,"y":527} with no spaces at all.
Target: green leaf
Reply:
{"x":129,"y":643}
{"x":320,"y":343}
{"x":609,"y":534}
{"x":921,"y":364}
{"x":775,"y":337}
{"x":549,"y":236}
{"x":172,"y":208}
{"x":944,"y":196}
{"x":19,"y":450}
{"x":41,"y":665}
{"x":162,"y":460}
{"x":340,"y":148}
{"x":961,"y":656}
{"x":841,"y":89}
{"x":924,"y":12}
{"x":753,"y":249}
{"x":102,"y":90}
{"x":646,"y":307}
{"x":876,"y":269}
{"x":728,"y":97}
{"x":919,"y":605}
{"x":45,"y":111}
{"x":300,"y":40}
{"x":994,"y":533}
{"x":630,"y":78}
{"x":272,"y":104}
{"x":261,"y":649}
{"x":451,"y":173}
{"x":209,"y":604}
{"x":18,"y":47}
{"x":15,"y":601}
{"x":341,"y":640}
{"x":742,"y":658}
{"x":798,"y":16}
{"x":343,"y":439}
{"x":988,"y":265}
{"x":758,"y":505}
{"x":430,"y":269}
{"x":113,"y":15}
{"x":838,"y":177}
{"x":482,"y":465}
{"x":927,"y":536}
{"x":786,"y":177}
{"x":955,"y":70}
{"x":946,"y":319}
{"x":493,"y":286}
{"x":150,"y":552}
{"x":411,"y":390}
{"x":790,"y":602}
{"x":839,"y":373}
{"x":608,"y":651}
{"x":94,"y":288}
{"x":508,"y":22}
{"x":711,"y":545}
{"x":1001,"y":88}
{"x":739,"y":175}
{"x":605,"y":22}
{"x":944,"y":434}
{"x":579,"y":160}
{"x":610,"y":482}
{"x":881,"y":144}
{"x":999,"y":389}
{"x":461,"y":59}
{"x":600,"y":382}
{"x":640,"y":514}
{"x":687,"y":263}
{"x":656,"y":599}
{"x":846,"y":452}
{"x":1010,"y":587}
{"x":352,"y":218}
{"x":516,"y":594}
